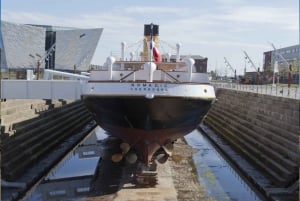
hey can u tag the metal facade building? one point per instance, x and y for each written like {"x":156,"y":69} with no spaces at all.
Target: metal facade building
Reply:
{"x":75,"y":48}
{"x":61,"y":48}
{"x":21,"y":45}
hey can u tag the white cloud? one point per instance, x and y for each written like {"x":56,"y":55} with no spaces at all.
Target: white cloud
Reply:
{"x":210,"y":31}
{"x":151,"y":10}
{"x":283,"y":18}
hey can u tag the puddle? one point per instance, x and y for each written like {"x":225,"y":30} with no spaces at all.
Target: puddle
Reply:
{"x":71,"y":178}
{"x":217,"y":177}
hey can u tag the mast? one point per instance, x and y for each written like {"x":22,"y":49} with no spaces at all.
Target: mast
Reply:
{"x":151,"y":41}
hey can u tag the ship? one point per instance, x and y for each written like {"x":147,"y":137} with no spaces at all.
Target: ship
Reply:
{"x":148,"y":103}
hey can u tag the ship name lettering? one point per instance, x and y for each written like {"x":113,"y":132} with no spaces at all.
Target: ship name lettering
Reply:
{"x":155,"y":87}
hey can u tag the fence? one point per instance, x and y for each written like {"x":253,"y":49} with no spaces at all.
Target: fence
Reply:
{"x":273,"y":90}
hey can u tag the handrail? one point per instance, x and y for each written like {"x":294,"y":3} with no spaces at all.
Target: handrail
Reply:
{"x":169,"y":75}
{"x":127,"y":75}
{"x":273,"y":90}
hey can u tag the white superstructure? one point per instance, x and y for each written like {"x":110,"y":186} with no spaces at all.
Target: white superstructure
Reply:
{"x":149,"y":81}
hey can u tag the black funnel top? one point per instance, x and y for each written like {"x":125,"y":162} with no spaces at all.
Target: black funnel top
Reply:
{"x":147,"y":30}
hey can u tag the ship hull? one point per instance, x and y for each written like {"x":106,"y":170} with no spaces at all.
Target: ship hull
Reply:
{"x":147,"y":124}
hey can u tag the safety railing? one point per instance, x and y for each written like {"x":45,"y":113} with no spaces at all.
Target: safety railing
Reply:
{"x":269,"y":89}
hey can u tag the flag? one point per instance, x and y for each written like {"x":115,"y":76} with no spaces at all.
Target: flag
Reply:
{"x":156,"y":54}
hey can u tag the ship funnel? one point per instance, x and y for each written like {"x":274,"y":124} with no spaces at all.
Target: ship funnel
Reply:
{"x":147,"y":38}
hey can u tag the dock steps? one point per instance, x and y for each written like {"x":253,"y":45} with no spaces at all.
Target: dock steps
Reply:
{"x":264,"y":129}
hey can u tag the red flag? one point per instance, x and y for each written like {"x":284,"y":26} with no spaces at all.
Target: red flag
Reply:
{"x":156,"y":54}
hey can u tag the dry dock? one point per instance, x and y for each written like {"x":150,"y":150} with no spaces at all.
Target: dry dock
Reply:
{"x":263,"y":130}
{"x":22,"y":120}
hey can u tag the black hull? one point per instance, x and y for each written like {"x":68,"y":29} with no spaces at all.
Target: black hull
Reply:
{"x":147,"y":124}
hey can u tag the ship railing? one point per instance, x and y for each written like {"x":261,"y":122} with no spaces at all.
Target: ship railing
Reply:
{"x":51,"y":74}
{"x":267,"y":89}
{"x":170,"y":76}
{"x":123,"y":78}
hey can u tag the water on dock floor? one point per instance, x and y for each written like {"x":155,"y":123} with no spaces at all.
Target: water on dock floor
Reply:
{"x":71,"y":179}
{"x":216,"y":176}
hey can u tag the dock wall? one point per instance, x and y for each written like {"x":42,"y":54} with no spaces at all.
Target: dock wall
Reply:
{"x":32,"y":128}
{"x":262,"y":128}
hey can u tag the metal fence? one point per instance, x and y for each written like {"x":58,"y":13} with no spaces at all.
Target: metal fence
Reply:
{"x":273,"y":90}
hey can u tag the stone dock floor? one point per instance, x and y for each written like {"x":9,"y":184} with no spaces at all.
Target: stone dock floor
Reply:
{"x":177,"y":181}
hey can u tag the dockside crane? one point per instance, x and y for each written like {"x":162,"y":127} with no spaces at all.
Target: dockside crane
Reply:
{"x":230,"y":67}
{"x":251,"y":62}
{"x":276,"y":66}
{"x":279,"y":54}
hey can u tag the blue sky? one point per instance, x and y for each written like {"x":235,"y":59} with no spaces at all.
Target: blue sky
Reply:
{"x":210,"y":28}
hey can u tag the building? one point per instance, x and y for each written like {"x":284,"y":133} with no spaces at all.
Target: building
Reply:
{"x":287,"y":56}
{"x":200,"y":62}
{"x":61,"y":48}
{"x":21,"y":45}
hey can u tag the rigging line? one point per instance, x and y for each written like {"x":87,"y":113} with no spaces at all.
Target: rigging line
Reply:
{"x":134,"y":44}
{"x":172,"y":47}
{"x":139,"y":46}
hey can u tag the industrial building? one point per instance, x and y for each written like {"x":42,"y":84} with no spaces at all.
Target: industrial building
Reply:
{"x":285,"y":57}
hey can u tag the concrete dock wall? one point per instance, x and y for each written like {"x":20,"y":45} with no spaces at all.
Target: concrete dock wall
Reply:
{"x":32,"y":128}
{"x":263,"y":128}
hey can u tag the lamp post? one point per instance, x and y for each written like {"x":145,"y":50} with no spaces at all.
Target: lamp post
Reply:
{"x":38,"y":66}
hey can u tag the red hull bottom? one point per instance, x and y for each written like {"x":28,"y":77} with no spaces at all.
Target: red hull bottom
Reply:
{"x":146,"y":143}
{"x":147,"y":125}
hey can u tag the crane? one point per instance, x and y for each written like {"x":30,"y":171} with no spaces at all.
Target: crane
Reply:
{"x":229,"y":65}
{"x":250,"y":61}
{"x":276,"y":64}
{"x":277,"y":53}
